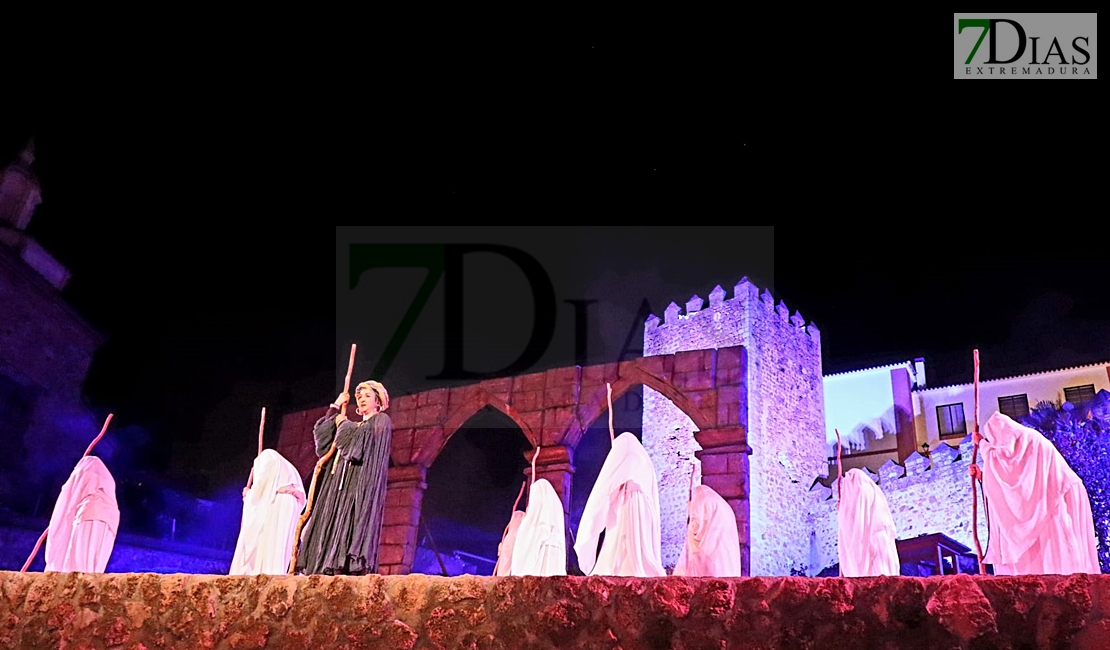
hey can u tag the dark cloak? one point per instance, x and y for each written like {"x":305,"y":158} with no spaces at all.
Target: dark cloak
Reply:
{"x":343,"y":531}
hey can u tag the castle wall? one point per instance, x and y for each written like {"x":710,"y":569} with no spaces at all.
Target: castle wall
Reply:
{"x":921,"y":500}
{"x":785,"y":419}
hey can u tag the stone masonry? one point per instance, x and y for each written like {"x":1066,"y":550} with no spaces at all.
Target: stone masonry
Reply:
{"x":137,"y":611}
{"x":553,"y":409}
{"x":783,"y":415}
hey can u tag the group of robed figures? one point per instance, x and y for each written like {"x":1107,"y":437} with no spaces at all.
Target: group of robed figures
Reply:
{"x":1039,"y":519}
{"x":1038,"y":510}
{"x":621,"y":515}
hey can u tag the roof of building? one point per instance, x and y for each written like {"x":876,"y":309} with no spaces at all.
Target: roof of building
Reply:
{"x":1027,"y":374}
{"x":898,"y":364}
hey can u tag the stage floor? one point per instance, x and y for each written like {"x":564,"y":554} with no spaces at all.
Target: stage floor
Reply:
{"x":144,"y":611}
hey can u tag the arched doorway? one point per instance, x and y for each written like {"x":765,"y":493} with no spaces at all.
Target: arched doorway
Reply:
{"x":472,"y":485}
{"x":590,"y":454}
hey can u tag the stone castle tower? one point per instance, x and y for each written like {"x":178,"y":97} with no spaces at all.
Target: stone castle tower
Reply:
{"x":785,"y":422}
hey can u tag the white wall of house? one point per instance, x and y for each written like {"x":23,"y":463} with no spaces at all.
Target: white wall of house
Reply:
{"x":860,"y":404}
{"x":1041,"y":386}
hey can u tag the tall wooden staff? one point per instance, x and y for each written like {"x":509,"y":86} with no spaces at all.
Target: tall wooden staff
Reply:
{"x":974,"y":457}
{"x":42,"y":538}
{"x":839,"y":469}
{"x":261,"y":428}
{"x":523,"y":484}
{"x":609,"y":391}
{"x":316,"y":474}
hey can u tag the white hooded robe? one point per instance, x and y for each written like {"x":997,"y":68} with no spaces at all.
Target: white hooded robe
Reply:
{"x":624,"y":503}
{"x":270,"y":512}
{"x":505,"y":548}
{"x":541,"y":547}
{"x":867,"y":534}
{"x":1039,"y":514}
{"x":83,"y":526}
{"x":712,"y":547}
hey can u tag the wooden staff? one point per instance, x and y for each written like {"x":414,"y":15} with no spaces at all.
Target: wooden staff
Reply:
{"x":316,"y":474}
{"x":261,"y":428}
{"x":346,"y":390}
{"x":533,"y":482}
{"x":974,"y":458}
{"x":690,"y":492}
{"x":523,"y":484}
{"x":42,"y":537}
{"x":609,"y":390}
{"x":839,"y":469}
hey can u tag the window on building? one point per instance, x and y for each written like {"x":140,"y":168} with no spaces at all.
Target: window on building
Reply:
{"x":950,"y":418}
{"x":1015,"y":406}
{"x":1079,"y":394}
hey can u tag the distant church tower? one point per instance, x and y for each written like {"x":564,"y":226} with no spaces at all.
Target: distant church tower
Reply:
{"x":785,"y":422}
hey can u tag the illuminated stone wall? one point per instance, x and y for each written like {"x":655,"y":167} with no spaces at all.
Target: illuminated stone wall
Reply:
{"x":784,"y":418}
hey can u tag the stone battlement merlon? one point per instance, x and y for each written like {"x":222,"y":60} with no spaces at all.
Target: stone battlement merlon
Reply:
{"x":746,"y":295}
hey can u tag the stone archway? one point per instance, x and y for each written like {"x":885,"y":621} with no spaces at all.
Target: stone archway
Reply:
{"x":553,"y":409}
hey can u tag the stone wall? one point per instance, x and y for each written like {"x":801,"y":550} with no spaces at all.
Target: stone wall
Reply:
{"x":922,"y":500}
{"x":784,"y":418}
{"x":553,"y":409}
{"x":672,"y":452}
{"x":418,"y":612}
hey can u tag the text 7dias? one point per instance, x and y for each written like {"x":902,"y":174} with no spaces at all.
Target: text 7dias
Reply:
{"x":988,"y":26}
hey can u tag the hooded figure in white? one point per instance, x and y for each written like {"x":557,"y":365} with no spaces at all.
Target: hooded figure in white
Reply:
{"x":82,"y":530}
{"x":624,"y":503}
{"x":1039,"y":514}
{"x":271,"y":508}
{"x":505,"y":548}
{"x":541,"y":548}
{"x":712,"y":546}
{"x":866,"y":529}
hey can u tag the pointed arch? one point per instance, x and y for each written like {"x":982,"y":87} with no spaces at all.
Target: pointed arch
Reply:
{"x":633,"y":376}
{"x":425,"y":456}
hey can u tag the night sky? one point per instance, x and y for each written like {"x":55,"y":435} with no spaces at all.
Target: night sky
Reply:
{"x":198,"y":226}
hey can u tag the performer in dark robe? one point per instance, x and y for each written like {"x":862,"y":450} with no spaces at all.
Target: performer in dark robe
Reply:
{"x":342,"y":534}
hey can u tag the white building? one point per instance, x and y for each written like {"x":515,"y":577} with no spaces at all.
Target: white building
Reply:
{"x":871,"y":406}
{"x":872,"y":409}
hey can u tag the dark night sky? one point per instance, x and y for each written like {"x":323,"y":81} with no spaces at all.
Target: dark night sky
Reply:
{"x":198,"y":223}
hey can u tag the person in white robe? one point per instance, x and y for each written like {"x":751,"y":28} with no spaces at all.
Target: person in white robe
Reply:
{"x":624,"y":503}
{"x":540,"y":548}
{"x":82,"y":531}
{"x":1039,"y":516}
{"x":271,"y":507}
{"x":712,"y":547}
{"x":505,"y":548}
{"x":866,"y":531}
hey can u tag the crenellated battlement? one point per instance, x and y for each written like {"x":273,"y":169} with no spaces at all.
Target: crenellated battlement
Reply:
{"x":746,"y":296}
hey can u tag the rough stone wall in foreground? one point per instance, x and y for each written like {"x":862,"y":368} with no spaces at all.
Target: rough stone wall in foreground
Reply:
{"x":182,"y":611}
